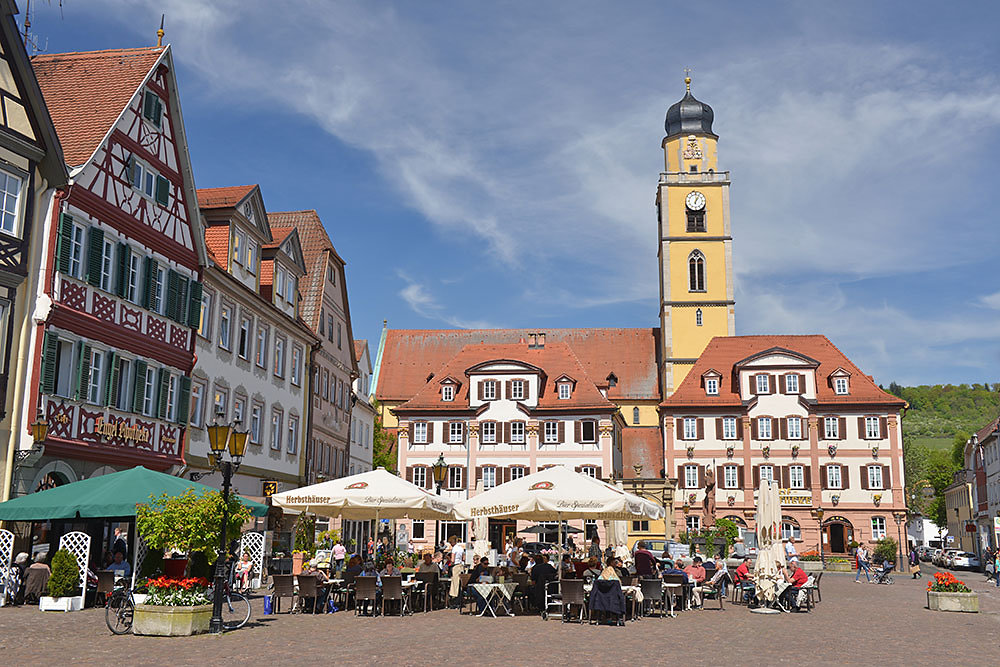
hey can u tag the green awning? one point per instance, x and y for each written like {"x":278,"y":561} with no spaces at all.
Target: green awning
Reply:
{"x":112,"y":495}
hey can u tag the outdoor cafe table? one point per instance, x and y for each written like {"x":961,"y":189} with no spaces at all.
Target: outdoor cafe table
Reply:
{"x":496,"y":595}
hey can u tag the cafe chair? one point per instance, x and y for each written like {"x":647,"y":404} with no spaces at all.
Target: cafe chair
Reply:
{"x":308,"y":590}
{"x":105,"y":584}
{"x":652,"y":596}
{"x":392,"y":591}
{"x":573,"y":596}
{"x":430,"y":581}
{"x":365,"y":590}
{"x":284,"y":587}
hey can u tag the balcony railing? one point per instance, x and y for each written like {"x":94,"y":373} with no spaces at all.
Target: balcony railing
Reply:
{"x":675,"y":177}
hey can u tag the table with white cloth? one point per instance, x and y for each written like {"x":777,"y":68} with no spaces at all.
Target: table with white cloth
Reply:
{"x":496,"y":595}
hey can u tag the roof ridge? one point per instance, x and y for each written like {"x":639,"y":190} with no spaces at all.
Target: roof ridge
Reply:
{"x":99,"y":52}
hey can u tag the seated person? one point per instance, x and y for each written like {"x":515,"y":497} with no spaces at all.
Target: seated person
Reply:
{"x":696,"y":574}
{"x":312,"y":570}
{"x":390,"y":569}
{"x":668,"y":568}
{"x":593,"y":568}
{"x":481,"y":572}
{"x":739,"y":548}
{"x":427,"y":565}
{"x":645,"y":563}
{"x":743,"y":571}
{"x":797,"y":578}
{"x":244,"y":568}
{"x":36,"y":578}
{"x":353,"y":569}
{"x":542,"y":572}
{"x":369,"y":571}
{"x":623,"y":572}
{"x":569,"y":572}
{"x":120,"y":566}
{"x":609,"y":573}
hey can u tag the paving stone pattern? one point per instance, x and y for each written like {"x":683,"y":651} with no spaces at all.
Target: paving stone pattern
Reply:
{"x":855,"y":624}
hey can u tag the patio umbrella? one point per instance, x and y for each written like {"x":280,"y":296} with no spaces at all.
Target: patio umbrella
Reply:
{"x":770,"y":555}
{"x":539,"y":529}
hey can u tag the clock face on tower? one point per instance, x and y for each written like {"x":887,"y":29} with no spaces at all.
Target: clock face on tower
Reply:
{"x":695,"y":201}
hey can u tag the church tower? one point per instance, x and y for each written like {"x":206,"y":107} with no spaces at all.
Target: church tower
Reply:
{"x":695,"y":253}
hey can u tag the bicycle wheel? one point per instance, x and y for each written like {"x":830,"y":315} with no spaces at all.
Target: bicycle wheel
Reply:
{"x":235,"y":611}
{"x":118,"y":614}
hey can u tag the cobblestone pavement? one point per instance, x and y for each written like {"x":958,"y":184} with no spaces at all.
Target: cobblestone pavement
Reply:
{"x":855,"y":624}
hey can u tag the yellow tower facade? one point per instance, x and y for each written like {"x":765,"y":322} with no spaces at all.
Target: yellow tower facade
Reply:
{"x":695,"y":241}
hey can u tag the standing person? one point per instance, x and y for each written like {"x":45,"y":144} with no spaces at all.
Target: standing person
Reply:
{"x":862,"y":555}
{"x":790,"y":552}
{"x":996,"y":566}
{"x":595,"y":549}
{"x":457,"y":565}
{"x":914,"y":563}
{"x":339,"y":553}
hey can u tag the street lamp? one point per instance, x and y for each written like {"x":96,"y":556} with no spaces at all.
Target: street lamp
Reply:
{"x":819,"y":518}
{"x":899,"y":517}
{"x":439,"y":470}
{"x":220,"y":438}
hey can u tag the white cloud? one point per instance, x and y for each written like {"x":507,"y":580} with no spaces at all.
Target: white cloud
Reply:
{"x":991,"y":301}
{"x":423,"y":303}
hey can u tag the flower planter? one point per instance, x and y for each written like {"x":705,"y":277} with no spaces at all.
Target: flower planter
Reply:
{"x":171,"y":621}
{"x":68,"y":603}
{"x":940,"y":601}
{"x":811,"y":565}
{"x":297,"y":560}
{"x":140,"y":598}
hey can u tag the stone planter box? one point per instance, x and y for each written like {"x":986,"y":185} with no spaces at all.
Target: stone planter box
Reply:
{"x":69,"y":603}
{"x":140,"y":598}
{"x":839,"y":567}
{"x":968,"y":602}
{"x":811,"y":565}
{"x":171,"y":621}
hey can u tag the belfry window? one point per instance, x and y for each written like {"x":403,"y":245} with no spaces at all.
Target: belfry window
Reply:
{"x":695,"y":221}
{"x":696,"y":272}
{"x":697,"y":317}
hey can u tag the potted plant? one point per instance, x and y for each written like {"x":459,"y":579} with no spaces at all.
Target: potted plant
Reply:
{"x":305,"y":542}
{"x":946,"y":593}
{"x":174,"y":608}
{"x":64,"y":585}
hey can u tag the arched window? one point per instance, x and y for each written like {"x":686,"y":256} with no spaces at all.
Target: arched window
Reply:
{"x":635,"y":415}
{"x":790,"y":529}
{"x":697,"y":317}
{"x":696,"y":272}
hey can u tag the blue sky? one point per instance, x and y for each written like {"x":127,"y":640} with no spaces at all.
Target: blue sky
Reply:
{"x":495,"y":164}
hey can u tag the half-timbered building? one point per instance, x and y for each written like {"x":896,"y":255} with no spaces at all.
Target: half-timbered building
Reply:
{"x":113,"y":345}
{"x":31,"y":168}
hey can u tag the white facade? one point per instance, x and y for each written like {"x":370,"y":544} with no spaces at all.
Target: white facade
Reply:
{"x":363,"y":413}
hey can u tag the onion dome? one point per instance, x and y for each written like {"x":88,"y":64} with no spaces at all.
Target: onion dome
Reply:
{"x":689,"y":116}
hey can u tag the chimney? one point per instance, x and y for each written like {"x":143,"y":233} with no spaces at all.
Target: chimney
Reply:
{"x":541,"y":339}
{"x":532,"y":340}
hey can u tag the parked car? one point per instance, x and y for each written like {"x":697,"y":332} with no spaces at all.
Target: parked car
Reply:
{"x":925,"y":553}
{"x":964,"y":560}
{"x":946,"y":556}
{"x":937,"y":557}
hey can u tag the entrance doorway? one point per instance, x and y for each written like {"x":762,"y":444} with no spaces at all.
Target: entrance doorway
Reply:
{"x":837,"y":535}
{"x":500,"y":530}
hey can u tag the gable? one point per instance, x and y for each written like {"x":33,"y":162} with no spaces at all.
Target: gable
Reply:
{"x":293,"y":249}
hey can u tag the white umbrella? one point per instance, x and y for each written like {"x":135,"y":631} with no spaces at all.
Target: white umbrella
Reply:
{"x":770,"y":555}
{"x":374,"y":494}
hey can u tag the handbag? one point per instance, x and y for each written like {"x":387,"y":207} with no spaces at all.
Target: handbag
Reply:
{"x":914,"y":569}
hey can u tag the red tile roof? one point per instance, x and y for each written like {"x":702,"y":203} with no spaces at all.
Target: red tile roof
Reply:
{"x":410,"y":355}
{"x":227,"y":197}
{"x":217,"y":242}
{"x":555,"y":359}
{"x":642,"y":445}
{"x":724,"y":352}
{"x":87,"y":91}
{"x":315,"y":242}
{"x":985,"y":432}
{"x":279,"y":234}
{"x":359,"y":348}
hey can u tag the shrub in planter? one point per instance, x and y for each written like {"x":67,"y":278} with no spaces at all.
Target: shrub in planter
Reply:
{"x":189,"y":522}
{"x":200,"y":567}
{"x":65,"y":578}
{"x":885,"y":550}
{"x":946,"y":593}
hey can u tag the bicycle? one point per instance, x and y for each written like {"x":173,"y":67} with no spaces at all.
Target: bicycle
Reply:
{"x":235,"y":606}
{"x":120,"y":611}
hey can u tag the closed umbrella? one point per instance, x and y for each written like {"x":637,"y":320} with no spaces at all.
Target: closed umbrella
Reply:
{"x":770,"y":555}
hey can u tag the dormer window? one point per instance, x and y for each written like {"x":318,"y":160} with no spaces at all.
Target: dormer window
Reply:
{"x":517,"y":392}
{"x":762,"y":383}
{"x":792,"y":384}
{"x":448,"y":392}
{"x":612,"y":380}
{"x":565,"y":391}
{"x":840,"y":386}
{"x":712,"y":386}
{"x":152,"y":108}
{"x":489,"y":392}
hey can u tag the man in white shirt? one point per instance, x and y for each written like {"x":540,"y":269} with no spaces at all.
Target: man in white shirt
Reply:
{"x":790,"y":552}
{"x":457,"y":565}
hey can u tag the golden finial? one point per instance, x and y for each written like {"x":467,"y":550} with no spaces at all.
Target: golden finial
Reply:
{"x":687,"y":78}
{"x":160,"y":33}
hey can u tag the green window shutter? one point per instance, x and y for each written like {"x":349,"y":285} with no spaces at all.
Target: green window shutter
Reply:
{"x":123,"y":260}
{"x":162,"y":191}
{"x":194,"y":305}
{"x":65,"y":243}
{"x":95,"y":246}
{"x":111,"y":379}
{"x":130,"y":170}
{"x":182,"y":300}
{"x":164,"y":383}
{"x":158,"y":111}
{"x":173,"y":284}
{"x":50,"y":348}
{"x":183,"y":400}
{"x":148,"y":281}
{"x":139,"y":393}
{"x":83,"y":373}
{"x":147,"y":104}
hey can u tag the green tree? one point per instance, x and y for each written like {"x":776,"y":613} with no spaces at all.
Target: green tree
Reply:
{"x":190,"y":522}
{"x":958,"y":448}
{"x":383,"y":443}
{"x":65,"y":578}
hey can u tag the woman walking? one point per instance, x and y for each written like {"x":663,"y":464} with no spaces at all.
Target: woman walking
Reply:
{"x":914,"y":563}
{"x":862,"y":555}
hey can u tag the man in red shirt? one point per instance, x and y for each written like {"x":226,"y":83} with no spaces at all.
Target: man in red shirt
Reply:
{"x":645,"y":562}
{"x":796,"y":578}
{"x":696,"y":574}
{"x":743,"y":571}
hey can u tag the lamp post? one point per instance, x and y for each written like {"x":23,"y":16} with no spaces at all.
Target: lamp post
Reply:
{"x":899,"y":516}
{"x":819,"y":518}
{"x":220,"y":438}
{"x":439,"y":470}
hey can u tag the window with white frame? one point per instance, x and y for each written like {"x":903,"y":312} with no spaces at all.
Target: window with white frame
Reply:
{"x":256,"y":417}
{"x":517,"y":433}
{"x":448,"y":392}
{"x":326,"y":384}
{"x":489,"y":477}
{"x":143,"y":177}
{"x":276,"y":420}
{"x":279,"y":282}
{"x":698,"y":320}
{"x":729,"y":428}
{"x":565,"y":390}
{"x":291,"y":288}
{"x":691,"y":477}
{"x":76,"y":251}
{"x":197,"y":401}
{"x":831,"y":428}
{"x":420,"y":433}
{"x":488,"y":431}
{"x":239,"y":409}
{"x":872,"y":430}
{"x":296,"y":373}
{"x":875,"y":477}
{"x":220,"y":403}
{"x":762,"y":383}
{"x":589,"y":471}
{"x":10,"y":195}
{"x":239,"y":243}
{"x":690,"y":428}
{"x":792,"y":383}
{"x":420,"y":476}
{"x":225,"y":326}
{"x":96,"y":383}
{"x":251,"y":264}
{"x":833,"y":479}
{"x":692,"y":523}
{"x":840,"y":386}
{"x":123,"y":401}
{"x":455,"y":477}
{"x":149,"y":397}
{"x":878,"y":527}
{"x":588,"y":430}
{"x":489,"y":390}
{"x":730,"y":478}
{"x":159,"y":303}
{"x":790,"y":531}
{"x":517,"y":472}
{"x":712,"y":386}
{"x":132,"y":278}
{"x":517,"y":390}
{"x":764,"y":428}
{"x":205,"y":314}
{"x":243,"y":348}
{"x":551,"y":432}
{"x":279,"y":356}
{"x":456,"y":433}
{"x":172,"y":398}
{"x":796,"y":477}
{"x":107,"y":264}
{"x":262,"y":347}
{"x":794,"y":428}
{"x":293,"y":434}
{"x":766,"y":473}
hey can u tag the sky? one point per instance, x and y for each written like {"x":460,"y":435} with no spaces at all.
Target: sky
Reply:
{"x":495,"y":164}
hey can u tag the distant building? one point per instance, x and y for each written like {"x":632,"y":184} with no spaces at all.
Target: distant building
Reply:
{"x":363,"y":414}
{"x":959,"y":503}
{"x":982,"y":458}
